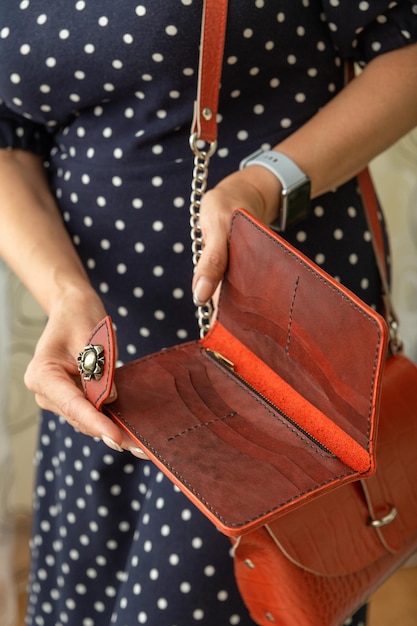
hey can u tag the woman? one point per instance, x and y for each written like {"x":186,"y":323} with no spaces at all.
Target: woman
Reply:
{"x":94,"y":178}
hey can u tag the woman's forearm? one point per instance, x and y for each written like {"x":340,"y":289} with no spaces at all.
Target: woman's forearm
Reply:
{"x":33,"y":239}
{"x":369,"y":115}
{"x":34,"y":242}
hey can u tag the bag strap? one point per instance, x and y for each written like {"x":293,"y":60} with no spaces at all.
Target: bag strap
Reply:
{"x":213,"y":33}
{"x":203,"y":138}
{"x":372,"y":214}
{"x":378,"y":242}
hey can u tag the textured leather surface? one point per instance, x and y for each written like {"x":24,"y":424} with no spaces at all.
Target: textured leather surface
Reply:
{"x":240,"y":461}
{"x":211,"y":57}
{"x":293,"y":404}
{"x":327,"y":559}
{"x":309,"y":329}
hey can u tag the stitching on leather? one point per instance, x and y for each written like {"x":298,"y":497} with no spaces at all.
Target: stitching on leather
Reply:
{"x":155,"y":355}
{"x":196,"y":426}
{"x":276,"y":415}
{"x":290,"y":317}
{"x":309,"y":269}
{"x":334,"y":289}
{"x":214,"y":511}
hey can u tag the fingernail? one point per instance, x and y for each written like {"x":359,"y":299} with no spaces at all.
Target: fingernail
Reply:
{"x":111,"y":444}
{"x":203,"y":291}
{"x":137,"y":452}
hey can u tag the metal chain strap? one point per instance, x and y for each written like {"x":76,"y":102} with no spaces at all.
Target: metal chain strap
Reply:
{"x":198,"y":187}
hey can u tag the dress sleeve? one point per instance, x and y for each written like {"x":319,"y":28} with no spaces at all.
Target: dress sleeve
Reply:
{"x":363,"y":29}
{"x":21,"y":133}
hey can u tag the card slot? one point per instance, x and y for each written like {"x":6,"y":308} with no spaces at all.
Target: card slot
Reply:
{"x":263,"y":434}
{"x":281,"y":394}
{"x":201,"y":384}
{"x":286,"y":353}
{"x":194,"y":388}
{"x":220,"y":463}
{"x":155,"y":391}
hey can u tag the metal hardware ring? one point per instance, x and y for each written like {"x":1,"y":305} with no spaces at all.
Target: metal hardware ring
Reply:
{"x":384,"y":521}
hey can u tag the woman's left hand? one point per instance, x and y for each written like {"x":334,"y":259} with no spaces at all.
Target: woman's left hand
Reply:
{"x":255,"y":189}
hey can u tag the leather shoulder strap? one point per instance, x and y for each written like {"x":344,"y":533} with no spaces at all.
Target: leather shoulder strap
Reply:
{"x":378,"y":242}
{"x":213,"y":32}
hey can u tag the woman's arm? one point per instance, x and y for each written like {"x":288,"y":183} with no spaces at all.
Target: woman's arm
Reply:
{"x":33,"y":239}
{"x":35,"y":244}
{"x":369,"y":115}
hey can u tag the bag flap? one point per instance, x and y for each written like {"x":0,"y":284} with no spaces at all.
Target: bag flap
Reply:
{"x":330,"y":536}
{"x":334,"y":535}
{"x":391,"y":492}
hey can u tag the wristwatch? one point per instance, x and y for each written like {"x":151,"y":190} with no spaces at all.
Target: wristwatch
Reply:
{"x":295,"y":195}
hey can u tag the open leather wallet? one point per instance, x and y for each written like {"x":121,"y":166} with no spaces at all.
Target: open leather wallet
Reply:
{"x":275,"y":406}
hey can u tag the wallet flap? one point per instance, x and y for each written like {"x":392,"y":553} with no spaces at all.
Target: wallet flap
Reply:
{"x":97,"y":388}
{"x":310,"y":330}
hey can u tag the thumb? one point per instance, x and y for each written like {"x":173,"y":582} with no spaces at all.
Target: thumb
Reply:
{"x":212,"y":263}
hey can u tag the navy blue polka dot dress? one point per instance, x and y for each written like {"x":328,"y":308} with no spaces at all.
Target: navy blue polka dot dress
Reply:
{"x":104,"y":91}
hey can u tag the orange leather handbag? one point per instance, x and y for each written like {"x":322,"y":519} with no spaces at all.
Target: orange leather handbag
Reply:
{"x":285,"y":424}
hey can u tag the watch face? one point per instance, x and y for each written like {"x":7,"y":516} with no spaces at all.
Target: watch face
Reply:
{"x":297,"y":204}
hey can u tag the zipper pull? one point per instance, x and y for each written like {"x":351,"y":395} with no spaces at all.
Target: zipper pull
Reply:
{"x":222,"y":359}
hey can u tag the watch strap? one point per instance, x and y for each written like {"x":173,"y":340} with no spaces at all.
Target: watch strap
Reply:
{"x":284,"y":168}
{"x":295,"y":194}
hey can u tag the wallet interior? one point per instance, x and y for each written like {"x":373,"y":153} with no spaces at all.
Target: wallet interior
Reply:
{"x":277,"y":404}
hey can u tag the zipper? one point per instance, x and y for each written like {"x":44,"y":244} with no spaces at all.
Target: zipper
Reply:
{"x":229,"y":365}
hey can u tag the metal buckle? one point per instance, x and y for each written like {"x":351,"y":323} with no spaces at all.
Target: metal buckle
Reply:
{"x":385,"y":520}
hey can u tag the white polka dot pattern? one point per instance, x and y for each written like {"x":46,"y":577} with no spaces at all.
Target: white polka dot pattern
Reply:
{"x":106,"y":94}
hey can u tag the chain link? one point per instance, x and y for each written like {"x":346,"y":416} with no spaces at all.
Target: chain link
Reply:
{"x":198,"y":187}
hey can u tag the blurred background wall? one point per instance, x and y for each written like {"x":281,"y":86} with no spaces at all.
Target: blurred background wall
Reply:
{"x":395,"y":176}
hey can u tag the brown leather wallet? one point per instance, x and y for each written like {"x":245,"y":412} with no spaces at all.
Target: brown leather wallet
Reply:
{"x":276,"y":405}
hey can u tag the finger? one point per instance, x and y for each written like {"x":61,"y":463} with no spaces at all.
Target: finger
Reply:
{"x":138,"y":452}
{"x":212,"y":263}
{"x":83,"y":416}
{"x":58,"y":392}
{"x":127,"y":443}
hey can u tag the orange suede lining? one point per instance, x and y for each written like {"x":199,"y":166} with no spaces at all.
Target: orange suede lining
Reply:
{"x":282,"y":395}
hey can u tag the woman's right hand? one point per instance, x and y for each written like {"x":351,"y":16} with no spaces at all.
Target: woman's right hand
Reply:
{"x":53,"y":376}
{"x":47,"y":263}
